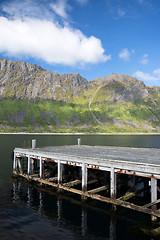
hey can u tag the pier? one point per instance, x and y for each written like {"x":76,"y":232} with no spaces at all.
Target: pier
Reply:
{"x":107,"y":174}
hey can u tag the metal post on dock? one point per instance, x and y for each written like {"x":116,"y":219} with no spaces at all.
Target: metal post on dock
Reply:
{"x":33,"y":143}
{"x":79,"y":142}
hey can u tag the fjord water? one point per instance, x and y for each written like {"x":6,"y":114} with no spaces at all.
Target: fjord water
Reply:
{"x":28,"y":212}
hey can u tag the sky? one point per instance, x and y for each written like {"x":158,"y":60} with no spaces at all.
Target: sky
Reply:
{"x":92,"y":37}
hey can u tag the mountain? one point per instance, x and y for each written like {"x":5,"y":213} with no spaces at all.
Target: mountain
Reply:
{"x":35,"y":99}
{"x":23,"y":80}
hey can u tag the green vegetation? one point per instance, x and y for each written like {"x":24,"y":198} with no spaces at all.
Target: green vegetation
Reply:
{"x":58,"y":116}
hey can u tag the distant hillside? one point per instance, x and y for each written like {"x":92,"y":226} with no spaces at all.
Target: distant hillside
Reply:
{"x":34,"y":99}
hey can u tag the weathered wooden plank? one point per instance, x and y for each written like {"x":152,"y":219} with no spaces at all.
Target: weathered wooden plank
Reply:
{"x":124,"y":204}
{"x":100,"y":189}
{"x":92,"y":181}
{"x":72,"y":183}
{"x":151,"y":204}
{"x":129,"y":195}
{"x":53,"y":179}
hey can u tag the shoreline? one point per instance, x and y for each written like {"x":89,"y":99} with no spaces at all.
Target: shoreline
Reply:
{"x":27,"y":133}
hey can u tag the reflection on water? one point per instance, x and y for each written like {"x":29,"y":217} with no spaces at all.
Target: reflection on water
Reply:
{"x":33,"y":199}
{"x":28,"y":212}
{"x":70,"y":217}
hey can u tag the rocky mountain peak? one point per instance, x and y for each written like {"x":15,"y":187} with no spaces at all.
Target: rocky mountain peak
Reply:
{"x":19,"y":79}
{"x":9,"y":65}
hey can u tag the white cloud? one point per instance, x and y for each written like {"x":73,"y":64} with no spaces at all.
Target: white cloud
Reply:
{"x":148,"y":77}
{"x":144,"y":76}
{"x":144,"y":59}
{"x":50,"y":42}
{"x":26,"y":8}
{"x":125,"y":54}
{"x":60,"y":8}
{"x":157,"y":72}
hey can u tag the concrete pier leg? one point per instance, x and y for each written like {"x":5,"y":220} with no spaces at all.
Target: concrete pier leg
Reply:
{"x":40,"y":167}
{"x":29,"y":165}
{"x":14,"y":163}
{"x":59,"y":172}
{"x":113,"y":189}
{"x":84,"y":179}
{"x":19,"y":166}
{"x":153,"y":195}
{"x":32,"y":166}
{"x":43,"y":176}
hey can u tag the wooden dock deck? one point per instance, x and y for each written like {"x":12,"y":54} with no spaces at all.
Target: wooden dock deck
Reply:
{"x":52,"y":166}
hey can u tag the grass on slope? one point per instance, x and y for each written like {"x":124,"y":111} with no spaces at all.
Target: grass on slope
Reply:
{"x":54,"y":116}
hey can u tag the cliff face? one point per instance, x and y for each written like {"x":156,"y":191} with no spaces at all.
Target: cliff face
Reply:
{"x":32,"y":97}
{"x":20,"y":80}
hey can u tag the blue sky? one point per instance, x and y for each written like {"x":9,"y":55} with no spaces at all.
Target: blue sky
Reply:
{"x":92,"y":37}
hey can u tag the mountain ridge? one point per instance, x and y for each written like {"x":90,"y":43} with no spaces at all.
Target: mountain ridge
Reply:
{"x":41,"y":100}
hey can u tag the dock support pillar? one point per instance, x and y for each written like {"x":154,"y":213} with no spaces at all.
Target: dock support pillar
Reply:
{"x":154,"y":195}
{"x":19,"y":166}
{"x":59,"y":172}
{"x":40,"y":167}
{"x":113,"y":184}
{"x":84,"y":180}
{"x":29,"y":165}
{"x":14,"y":163}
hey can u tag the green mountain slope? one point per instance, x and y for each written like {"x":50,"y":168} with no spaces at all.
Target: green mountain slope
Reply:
{"x":34,"y":99}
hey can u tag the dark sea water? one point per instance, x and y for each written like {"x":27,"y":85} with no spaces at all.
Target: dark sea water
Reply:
{"x":28,"y":212}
